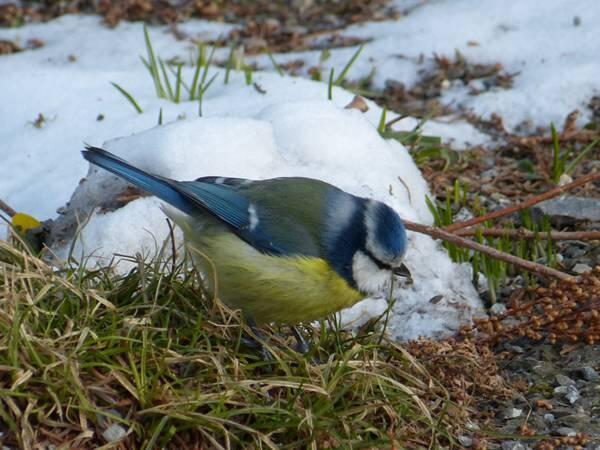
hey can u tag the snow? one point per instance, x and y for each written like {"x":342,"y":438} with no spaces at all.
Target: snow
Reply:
{"x":292,"y":129}
{"x":551,"y":47}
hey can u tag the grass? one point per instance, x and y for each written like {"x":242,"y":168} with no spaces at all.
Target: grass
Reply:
{"x":340,"y":79}
{"x":168,"y":79}
{"x":169,"y":84}
{"x":561,"y":159}
{"x":496,"y":272}
{"x":129,"y":97}
{"x":276,"y":66}
{"x":149,"y":355}
{"x":422,"y":147}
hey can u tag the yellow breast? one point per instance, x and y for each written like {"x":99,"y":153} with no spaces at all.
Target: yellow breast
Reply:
{"x":269,"y":288}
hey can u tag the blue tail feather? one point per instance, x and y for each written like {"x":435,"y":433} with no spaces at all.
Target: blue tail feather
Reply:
{"x":154,"y":184}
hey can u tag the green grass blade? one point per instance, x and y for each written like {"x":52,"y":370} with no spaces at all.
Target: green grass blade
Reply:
{"x":229,"y":65}
{"x":382,"y":121}
{"x":434,"y":211}
{"x":348,"y":65}
{"x":178,"y":83}
{"x":330,"y":85}
{"x":276,"y":66}
{"x":163,"y":69}
{"x":146,"y":64}
{"x":174,"y":73}
{"x":207,"y":85}
{"x":248,"y":75}
{"x":196,"y":77}
{"x":205,"y":73}
{"x":573,"y":164}
{"x":556,"y":171}
{"x":152,"y":65}
{"x":129,"y":97}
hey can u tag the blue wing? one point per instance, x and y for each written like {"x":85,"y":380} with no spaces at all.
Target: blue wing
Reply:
{"x":219,"y":199}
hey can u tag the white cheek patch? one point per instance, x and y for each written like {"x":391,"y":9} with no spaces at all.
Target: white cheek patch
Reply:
{"x":368,"y":277}
{"x":253,"y":217}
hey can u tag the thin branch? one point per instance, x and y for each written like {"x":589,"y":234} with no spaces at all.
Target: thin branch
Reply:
{"x":538,"y":269}
{"x":528,"y":234}
{"x":571,"y":136}
{"x":524,"y":205}
{"x":173,"y":246}
{"x":7,"y":209}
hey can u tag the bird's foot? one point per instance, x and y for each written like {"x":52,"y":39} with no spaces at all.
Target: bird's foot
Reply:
{"x":256,"y":341}
{"x":302,"y":345}
{"x":254,"y":344}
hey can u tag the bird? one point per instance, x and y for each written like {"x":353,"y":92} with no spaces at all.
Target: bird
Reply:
{"x":283,"y":250}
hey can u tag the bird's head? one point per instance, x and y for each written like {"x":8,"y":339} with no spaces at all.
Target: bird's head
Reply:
{"x":383,"y":249}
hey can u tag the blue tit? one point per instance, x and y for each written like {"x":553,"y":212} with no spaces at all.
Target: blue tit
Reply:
{"x":284,"y":250}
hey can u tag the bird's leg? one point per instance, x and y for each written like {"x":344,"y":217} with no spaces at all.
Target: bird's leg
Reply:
{"x":257,"y":341}
{"x":302,"y":346}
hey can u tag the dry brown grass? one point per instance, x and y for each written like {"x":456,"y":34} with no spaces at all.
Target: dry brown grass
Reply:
{"x":149,"y":357}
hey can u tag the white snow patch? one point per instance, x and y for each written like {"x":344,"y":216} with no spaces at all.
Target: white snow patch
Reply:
{"x":552,"y":49}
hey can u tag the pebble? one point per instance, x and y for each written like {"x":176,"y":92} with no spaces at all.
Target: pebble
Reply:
{"x":581,"y":268}
{"x":589,"y":373}
{"x":560,"y":390}
{"x":572,"y":394}
{"x":114,"y":433}
{"x":465,"y":441}
{"x":500,"y":198}
{"x":578,"y":208}
{"x":490,"y":173}
{"x":472,"y":426}
{"x":566,"y":431}
{"x":512,"y":413}
{"x":564,"y":380}
{"x":498,"y":309}
{"x":463,"y":214}
{"x":514,"y":445}
{"x":543,"y":368}
{"x":549,"y":418}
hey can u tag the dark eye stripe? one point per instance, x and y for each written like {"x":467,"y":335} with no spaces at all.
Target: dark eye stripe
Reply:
{"x":381,"y":265}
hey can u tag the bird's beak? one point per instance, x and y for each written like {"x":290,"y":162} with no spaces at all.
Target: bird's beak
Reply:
{"x":403,"y":271}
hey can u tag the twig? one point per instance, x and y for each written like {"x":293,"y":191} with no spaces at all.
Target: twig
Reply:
{"x":7,"y":209}
{"x":528,"y":234}
{"x":572,"y":136}
{"x":524,"y":205}
{"x":173,"y":246}
{"x":538,"y":269}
